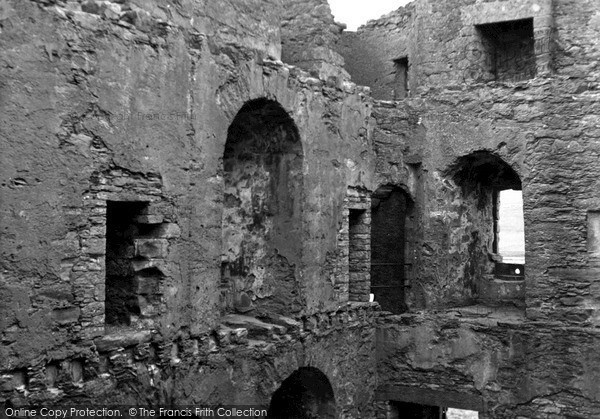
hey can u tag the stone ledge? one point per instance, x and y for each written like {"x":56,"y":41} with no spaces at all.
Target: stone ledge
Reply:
{"x":122,"y":340}
{"x":256,"y":328}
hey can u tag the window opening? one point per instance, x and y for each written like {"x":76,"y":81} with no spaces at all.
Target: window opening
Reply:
{"x":135,"y":250}
{"x":509,"y":234}
{"x":510,"y":49}
{"x":401,"y":87}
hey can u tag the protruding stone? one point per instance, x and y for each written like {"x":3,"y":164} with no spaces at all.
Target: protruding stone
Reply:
{"x":255,"y":327}
{"x":168,"y":231}
{"x":151,"y":248}
{"x":149,"y":219}
{"x":116,"y":341}
{"x":66,"y":315}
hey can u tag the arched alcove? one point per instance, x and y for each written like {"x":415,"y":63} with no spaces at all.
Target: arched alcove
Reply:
{"x":492,"y":207}
{"x":306,"y":394}
{"x":391,"y":247}
{"x":262,"y":164}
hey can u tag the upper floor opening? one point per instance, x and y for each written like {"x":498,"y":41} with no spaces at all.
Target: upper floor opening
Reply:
{"x":509,"y":49}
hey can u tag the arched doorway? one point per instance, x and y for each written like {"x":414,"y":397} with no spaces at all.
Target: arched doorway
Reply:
{"x":390,"y":209}
{"x":262,"y":201}
{"x":306,"y":394}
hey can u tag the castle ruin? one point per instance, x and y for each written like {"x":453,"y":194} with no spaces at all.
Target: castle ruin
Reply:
{"x":238,"y":203}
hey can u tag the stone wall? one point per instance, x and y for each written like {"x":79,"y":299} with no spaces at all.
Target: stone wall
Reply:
{"x":518,"y":123}
{"x":242,"y":362}
{"x":543,"y":129}
{"x":309,"y":36}
{"x":419,"y":144}
{"x":130,"y":105}
{"x":488,"y":361}
{"x":370,"y":52}
{"x":131,"y":102}
{"x":443,"y":43}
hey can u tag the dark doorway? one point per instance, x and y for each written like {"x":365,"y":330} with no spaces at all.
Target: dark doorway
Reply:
{"x":388,"y":248}
{"x":306,"y":394}
{"x":403,"y":410}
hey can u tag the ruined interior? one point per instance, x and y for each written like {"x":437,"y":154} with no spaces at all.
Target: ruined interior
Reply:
{"x":240,"y":203}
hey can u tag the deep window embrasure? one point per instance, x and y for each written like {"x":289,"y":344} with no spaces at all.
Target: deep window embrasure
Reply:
{"x":509,"y":49}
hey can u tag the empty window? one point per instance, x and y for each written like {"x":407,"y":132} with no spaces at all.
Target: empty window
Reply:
{"x":359,"y":254}
{"x":509,"y":237}
{"x":593,"y":232}
{"x":510,"y":229}
{"x":135,"y":249}
{"x":401,"y":89}
{"x":121,"y":302}
{"x":491,"y":199}
{"x":509,"y":49}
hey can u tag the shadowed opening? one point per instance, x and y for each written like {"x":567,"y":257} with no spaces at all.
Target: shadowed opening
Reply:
{"x":510,"y":48}
{"x":121,"y":301}
{"x":262,"y":211}
{"x":492,"y":225}
{"x":306,"y":394}
{"x":401,"y":87}
{"x":389,"y":264}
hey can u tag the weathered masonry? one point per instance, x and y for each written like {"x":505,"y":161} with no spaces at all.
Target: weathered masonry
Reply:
{"x":238,"y":202}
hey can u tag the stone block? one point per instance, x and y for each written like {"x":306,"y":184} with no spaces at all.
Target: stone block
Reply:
{"x":93,"y":309}
{"x":149,"y":219}
{"x":147,"y":284}
{"x":90,"y":6}
{"x":147,"y":309}
{"x":140,"y":265}
{"x":66,"y":315}
{"x":239,"y":336}
{"x":94,"y":246}
{"x":168,"y":231}
{"x":124,"y":340}
{"x":151,"y":248}
{"x":255,"y":327}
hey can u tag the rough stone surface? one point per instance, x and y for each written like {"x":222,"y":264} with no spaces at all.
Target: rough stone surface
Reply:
{"x":545,"y":130}
{"x":130,"y":102}
{"x":246,"y":188}
{"x":308,"y":39}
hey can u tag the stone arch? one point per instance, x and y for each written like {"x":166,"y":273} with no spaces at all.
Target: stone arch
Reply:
{"x":305,"y":394}
{"x":483,"y":177}
{"x":392,"y":246}
{"x":483,"y":171}
{"x":261,"y":223}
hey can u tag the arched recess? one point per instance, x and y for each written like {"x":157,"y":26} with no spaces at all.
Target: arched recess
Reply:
{"x":485,"y":179}
{"x":261,"y":223}
{"x":306,"y":394}
{"x":392,"y":239}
